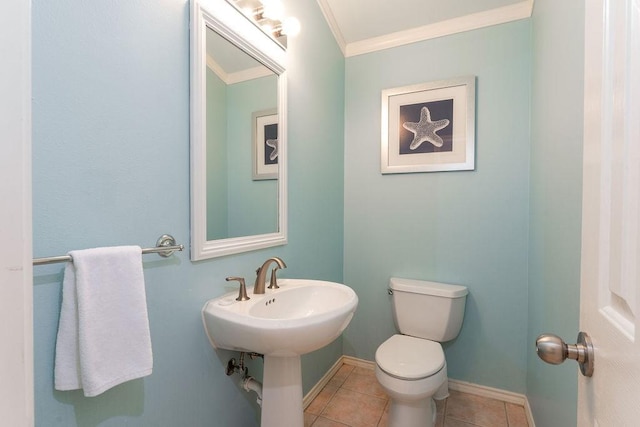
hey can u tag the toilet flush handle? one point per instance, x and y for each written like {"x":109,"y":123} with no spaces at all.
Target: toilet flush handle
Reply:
{"x":552,"y":349}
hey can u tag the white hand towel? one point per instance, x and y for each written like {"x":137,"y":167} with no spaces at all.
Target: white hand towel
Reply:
{"x":103,"y":334}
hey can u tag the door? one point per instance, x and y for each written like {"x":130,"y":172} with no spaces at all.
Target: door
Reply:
{"x":610,"y":288}
{"x":16,"y":349}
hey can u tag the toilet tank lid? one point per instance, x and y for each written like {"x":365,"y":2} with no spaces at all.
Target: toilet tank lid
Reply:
{"x":428,"y":288}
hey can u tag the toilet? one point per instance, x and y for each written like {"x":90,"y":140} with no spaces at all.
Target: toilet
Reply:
{"x":410,"y":366}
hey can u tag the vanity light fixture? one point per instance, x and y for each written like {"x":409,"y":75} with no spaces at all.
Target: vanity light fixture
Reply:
{"x":270,"y":16}
{"x":273,"y":9}
{"x":291,"y":26}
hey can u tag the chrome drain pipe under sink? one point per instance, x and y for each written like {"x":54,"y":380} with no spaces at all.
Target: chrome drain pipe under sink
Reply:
{"x":247,"y":382}
{"x":251,"y":384}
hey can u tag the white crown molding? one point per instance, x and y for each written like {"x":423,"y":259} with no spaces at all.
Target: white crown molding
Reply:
{"x":238,"y":76}
{"x":333,"y":25}
{"x":501,"y":15}
{"x":249,"y":74}
{"x":217,"y":69}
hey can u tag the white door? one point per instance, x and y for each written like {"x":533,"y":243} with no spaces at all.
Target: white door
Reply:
{"x":610,"y":288}
{"x":16,"y":349}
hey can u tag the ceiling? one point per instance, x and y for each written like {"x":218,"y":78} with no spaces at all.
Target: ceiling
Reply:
{"x":362,"y":26}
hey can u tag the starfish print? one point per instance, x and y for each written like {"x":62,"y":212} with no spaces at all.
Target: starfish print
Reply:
{"x":425,"y":129}
{"x":273,"y":143}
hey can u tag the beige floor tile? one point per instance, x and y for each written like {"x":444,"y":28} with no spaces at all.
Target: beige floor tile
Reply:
{"x":384,"y":420}
{"x":354,"y":409}
{"x":364,"y":381}
{"x":440,"y":408}
{"x":325,"y":422}
{"x":338,"y":378}
{"x":477,"y":410}
{"x":353,"y":398}
{"x":516,"y":415}
{"x":318,"y":404}
{"x":309,"y":419}
{"x":452,"y":422}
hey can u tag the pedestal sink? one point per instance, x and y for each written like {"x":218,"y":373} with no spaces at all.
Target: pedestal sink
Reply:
{"x":282,"y":324}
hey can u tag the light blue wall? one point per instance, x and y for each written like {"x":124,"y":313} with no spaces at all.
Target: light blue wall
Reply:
{"x":556,"y":197}
{"x":316,"y":155}
{"x":217,"y":185}
{"x":468,"y":228}
{"x":232,"y":194}
{"x":111,"y":167}
{"x":243,"y":100}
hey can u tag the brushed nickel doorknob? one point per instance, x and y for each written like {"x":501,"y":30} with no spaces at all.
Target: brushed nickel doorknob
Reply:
{"x":552,"y":349}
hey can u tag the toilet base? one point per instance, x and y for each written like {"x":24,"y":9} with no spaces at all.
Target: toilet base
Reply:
{"x":411,"y":401}
{"x":417,"y":413}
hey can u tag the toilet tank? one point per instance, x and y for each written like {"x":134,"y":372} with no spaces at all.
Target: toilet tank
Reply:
{"x":429,"y":310}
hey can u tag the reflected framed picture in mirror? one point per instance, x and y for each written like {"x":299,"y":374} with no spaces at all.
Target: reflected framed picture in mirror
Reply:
{"x":265,"y":144}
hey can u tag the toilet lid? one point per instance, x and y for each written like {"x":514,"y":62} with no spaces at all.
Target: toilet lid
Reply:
{"x":408,"y":357}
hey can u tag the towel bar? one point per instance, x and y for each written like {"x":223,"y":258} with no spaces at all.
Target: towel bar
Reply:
{"x":165,"y":247}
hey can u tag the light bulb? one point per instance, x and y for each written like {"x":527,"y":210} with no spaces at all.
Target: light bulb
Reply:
{"x":291,"y":26}
{"x":273,"y":9}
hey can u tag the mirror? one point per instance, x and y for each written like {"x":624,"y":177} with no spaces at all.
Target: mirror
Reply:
{"x":238,"y":134}
{"x":241,"y":137}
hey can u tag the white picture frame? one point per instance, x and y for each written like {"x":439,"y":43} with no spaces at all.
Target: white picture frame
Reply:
{"x":265,"y":150}
{"x":428,"y":127}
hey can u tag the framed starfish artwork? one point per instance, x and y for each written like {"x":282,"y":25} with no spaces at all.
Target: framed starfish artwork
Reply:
{"x":429,"y":127}
{"x":265,"y":145}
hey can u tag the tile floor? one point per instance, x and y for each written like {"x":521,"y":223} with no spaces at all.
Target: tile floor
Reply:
{"x":353,"y":398}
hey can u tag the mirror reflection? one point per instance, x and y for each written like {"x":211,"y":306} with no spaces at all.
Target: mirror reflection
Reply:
{"x":241,"y":142}
{"x":238,"y":134}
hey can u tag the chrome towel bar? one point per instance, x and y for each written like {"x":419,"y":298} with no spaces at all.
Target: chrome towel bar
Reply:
{"x":165,"y":247}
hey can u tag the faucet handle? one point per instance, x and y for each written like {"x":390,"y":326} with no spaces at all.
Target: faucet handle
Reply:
{"x":273,"y":282}
{"x":242,"y":295}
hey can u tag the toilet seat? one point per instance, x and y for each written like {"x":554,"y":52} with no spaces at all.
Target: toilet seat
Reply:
{"x":410,"y":358}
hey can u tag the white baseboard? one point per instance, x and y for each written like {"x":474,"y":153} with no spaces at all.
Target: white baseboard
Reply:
{"x":360,"y":363}
{"x":462,"y":386}
{"x":527,"y":411}
{"x":316,"y":389}
{"x":494,"y":393}
{"x":490,"y":392}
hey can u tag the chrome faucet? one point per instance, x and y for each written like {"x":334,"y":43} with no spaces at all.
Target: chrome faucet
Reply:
{"x":258,"y":287}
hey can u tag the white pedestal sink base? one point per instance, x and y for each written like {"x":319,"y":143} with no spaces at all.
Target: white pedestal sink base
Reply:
{"x":282,"y":392}
{"x":299,"y":317}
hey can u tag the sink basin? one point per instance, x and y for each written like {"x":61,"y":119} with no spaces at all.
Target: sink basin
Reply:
{"x":299,"y":317}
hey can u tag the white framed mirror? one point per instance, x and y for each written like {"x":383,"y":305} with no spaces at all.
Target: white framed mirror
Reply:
{"x":238,"y":134}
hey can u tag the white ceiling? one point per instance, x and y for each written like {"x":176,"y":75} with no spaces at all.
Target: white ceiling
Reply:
{"x":362,"y":26}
